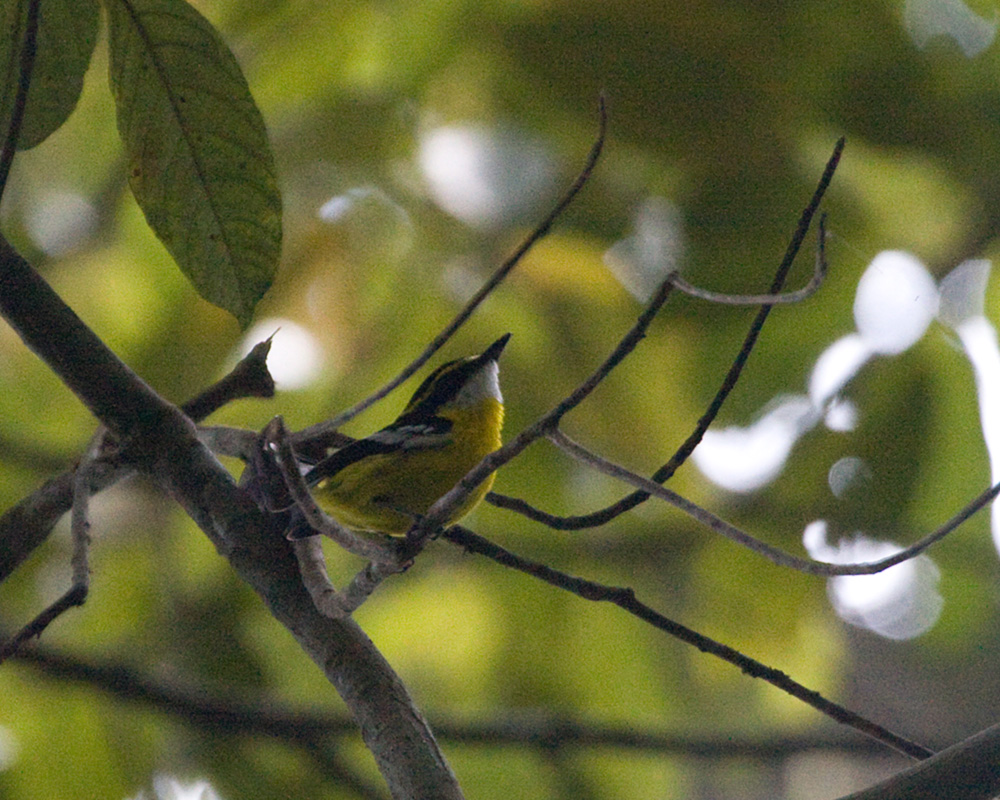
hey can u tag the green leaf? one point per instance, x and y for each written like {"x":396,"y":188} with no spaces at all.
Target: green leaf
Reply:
{"x":67,"y":32}
{"x":199,"y":162}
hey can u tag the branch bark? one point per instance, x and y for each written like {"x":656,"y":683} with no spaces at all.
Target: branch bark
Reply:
{"x":24,"y":526}
{"x":157,"y":438}
{"x":965,"y":771}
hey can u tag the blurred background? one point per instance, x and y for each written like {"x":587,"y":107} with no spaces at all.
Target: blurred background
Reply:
{"x":417,"y":142}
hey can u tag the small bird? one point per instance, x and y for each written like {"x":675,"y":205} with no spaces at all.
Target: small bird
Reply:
{"x":385,"y":481}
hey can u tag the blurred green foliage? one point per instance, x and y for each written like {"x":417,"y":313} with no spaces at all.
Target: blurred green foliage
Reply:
{"x":728,"y":110}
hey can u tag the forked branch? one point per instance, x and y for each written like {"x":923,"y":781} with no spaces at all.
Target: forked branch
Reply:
{"x":664,"y":473}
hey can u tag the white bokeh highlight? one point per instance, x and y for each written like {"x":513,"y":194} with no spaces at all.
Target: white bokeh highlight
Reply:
{"x":835,"y":366}
{"x":894,"y":304}
{"x":841,"y":415}
{"x":847,"y":474}
{"x":486,"y":177}
{"x":895,"y":301}
{"x":655,"y":249}
{"x":926,"y":20}
{"x":9,"y":749}
{"x":742,"y":459}
{"x":963,"y":299}
{"x":60,"y":221}
{"x":902,"y":602}
{"x":168,"y":787}
{"x":374,"y":224}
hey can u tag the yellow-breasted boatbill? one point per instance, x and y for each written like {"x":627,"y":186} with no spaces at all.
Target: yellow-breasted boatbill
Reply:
{"x":385,"y":481}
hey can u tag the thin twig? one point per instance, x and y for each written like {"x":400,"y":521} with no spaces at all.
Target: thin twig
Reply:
{"x":625,"y":599}
{"x":487,"y":288}
{"x":29,"y":46}
{"x":385,"y":554}
{"x":312,"y":568}
{"x":249,"y":378}
{"x":786,"y":298}
{"x":325,"y":596}
{"x":80,"y":514}
{"x":76,"y":595}
{"x":597,"y":518}
{"x":774,"y":554}
{"x":368,"y":580}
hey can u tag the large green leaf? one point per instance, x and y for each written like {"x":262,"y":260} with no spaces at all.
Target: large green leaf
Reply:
{"x":198,"y":156}
{"x":67,"y":31}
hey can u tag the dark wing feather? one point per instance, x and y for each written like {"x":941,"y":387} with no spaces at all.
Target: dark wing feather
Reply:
{"x":336,"y":461}
{"x":409,"y":432}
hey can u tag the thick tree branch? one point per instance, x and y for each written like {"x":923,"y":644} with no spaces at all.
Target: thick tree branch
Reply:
{"x":965,"y":771}
{"x":112,"y":391}
{"x":159,"y":439}
{"x":24,"y":526}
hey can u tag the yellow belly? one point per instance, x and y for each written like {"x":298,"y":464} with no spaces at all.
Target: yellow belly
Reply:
{"x":386,"y":492}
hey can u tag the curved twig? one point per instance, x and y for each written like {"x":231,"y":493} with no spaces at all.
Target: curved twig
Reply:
{"x":485,"y":290}
{"x":781,"y":298}
{"x":597,"y":518}
{"x":774,"y":554}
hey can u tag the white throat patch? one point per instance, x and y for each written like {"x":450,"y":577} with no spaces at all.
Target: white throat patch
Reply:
{"x":485,"y":383}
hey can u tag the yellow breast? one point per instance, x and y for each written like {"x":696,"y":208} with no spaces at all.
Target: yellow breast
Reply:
{"x":386,"y":492}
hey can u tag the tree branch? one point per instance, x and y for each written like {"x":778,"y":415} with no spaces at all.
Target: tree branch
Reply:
{"x":26,"y":66}
{"x":513,"y":729}
{"x":425,"y":527}
{"x":26,"y":525}
{"x":780,"y":298}
{"x":965,"y":771}
{"x":731,"y":532}
{"x":663,"y":474}
{"x":76,"y":595}
{"x":485,"y":290}
{"x":157,"y":438}
{"x":625,"y":599}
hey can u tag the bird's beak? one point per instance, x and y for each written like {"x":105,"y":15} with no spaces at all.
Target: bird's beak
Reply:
{"x":492,"y":353}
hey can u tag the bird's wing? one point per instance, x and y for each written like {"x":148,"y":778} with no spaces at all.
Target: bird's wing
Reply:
{"x":405,"y":434}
